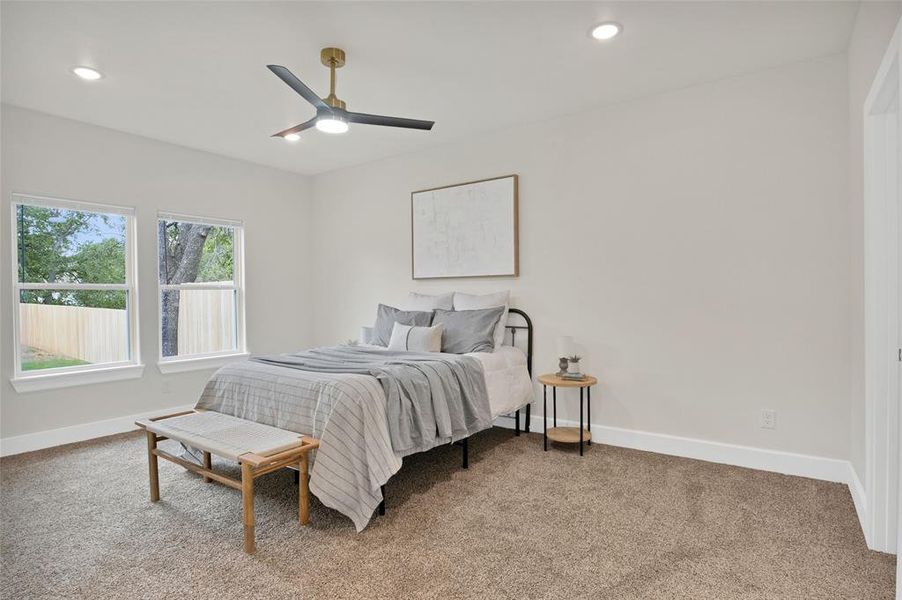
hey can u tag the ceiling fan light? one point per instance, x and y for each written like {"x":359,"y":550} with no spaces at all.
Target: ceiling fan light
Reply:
{"x":331,"y":125}
{"x":291,"y":137}
{"x":87,"y":73}
{"x":606,"y":31}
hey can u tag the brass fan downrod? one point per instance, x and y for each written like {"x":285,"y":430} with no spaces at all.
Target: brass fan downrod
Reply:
{"x":333,"y":58}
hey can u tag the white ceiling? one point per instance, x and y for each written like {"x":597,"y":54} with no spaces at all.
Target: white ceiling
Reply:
{"x":195,"y":73}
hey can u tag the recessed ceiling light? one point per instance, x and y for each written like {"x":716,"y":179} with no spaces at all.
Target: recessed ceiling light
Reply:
{"x":87,"y":73}
{"x":292,"y":137}
{"x":606,"y":31}
{"x":332,"y":125}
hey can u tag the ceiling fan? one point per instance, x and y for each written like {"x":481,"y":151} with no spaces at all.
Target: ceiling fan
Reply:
{"x":331,"y":114}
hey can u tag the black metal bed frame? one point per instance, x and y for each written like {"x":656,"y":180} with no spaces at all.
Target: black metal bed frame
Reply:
{"x":513,"y":329}
{"x":465,"y":446}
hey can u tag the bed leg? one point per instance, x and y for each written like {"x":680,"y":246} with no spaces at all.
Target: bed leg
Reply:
{"x":382,"y":504}
{"x":517,"y":422}
{"x":466,"y":448}
{"x":526,"y":425}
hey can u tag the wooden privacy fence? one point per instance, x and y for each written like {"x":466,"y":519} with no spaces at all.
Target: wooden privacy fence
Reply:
{"x":89,"y":334}
{"x":206,"y":324}
{"x":206,"y":321}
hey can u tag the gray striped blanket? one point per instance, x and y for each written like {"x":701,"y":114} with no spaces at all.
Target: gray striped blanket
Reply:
{"x":369,"y":408}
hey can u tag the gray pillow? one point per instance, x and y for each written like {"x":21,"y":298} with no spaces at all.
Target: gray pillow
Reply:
{"x":387,"y":316}
{"x":468,"y":330}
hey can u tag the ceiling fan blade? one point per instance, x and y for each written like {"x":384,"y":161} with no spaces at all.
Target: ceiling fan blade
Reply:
{"x":389,"y":121}
{"x":297,"y":128}
{"x":299,"y":86}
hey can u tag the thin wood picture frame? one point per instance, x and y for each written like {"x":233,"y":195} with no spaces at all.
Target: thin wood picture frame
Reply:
{"x":480,"y":230}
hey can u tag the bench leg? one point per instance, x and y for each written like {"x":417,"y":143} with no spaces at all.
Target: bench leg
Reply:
{"x":208,"y":464}
{"x":153,"y":466}
{"x":303,"y":492}
{"x":247,"y":500}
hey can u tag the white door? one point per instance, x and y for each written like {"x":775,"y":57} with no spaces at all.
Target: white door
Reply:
{"x":883,"y":313}
{"x":898,"y":375}
{"x":896,"y":192}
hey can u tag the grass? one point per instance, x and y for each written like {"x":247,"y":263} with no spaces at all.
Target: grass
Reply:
{"x":34,"y":358}
{"x":52,"y":363}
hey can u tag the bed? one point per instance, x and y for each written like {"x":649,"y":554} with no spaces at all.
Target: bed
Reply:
{"x":354,"y":419}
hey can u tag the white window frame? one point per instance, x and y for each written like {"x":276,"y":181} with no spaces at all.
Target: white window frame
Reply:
{"x":26,"y":381}
{"x":210,"y":360}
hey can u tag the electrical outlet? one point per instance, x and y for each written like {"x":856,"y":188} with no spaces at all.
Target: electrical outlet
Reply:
{"x":768,"y":419}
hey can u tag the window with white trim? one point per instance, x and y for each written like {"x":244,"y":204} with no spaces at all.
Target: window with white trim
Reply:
{"x":75,"y":295}
{"x":201,"y":287}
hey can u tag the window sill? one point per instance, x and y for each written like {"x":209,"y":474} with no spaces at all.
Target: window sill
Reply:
{"x":47,"y":381}
{"x":200,"y":363}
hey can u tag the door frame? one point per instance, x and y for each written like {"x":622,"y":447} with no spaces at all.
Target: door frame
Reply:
{"x":882,"y":207}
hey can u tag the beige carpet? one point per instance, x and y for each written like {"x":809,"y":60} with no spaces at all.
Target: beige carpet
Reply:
{"x":519,"y":524}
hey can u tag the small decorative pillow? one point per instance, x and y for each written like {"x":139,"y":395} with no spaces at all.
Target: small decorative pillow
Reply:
{"x":468,"y":330}
{"x":416,"y":339}
{"x":387,"y":316}
{"x":472,"y":301}
{"x":417,"y":301}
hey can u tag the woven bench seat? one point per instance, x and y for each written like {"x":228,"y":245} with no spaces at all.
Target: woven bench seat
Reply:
{"x":259,"y":449}
{"x":224,"y":435}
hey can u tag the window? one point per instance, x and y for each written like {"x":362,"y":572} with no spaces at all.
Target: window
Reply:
{"x":74,"y":290}
{"x":201,"y":290}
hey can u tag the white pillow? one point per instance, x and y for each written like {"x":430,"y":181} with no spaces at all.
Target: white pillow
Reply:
{"x":475,"y":302}
{"x":416,"y":339}
{"x":417,"y":301}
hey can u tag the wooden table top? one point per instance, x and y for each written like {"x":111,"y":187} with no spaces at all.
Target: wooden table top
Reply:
{"x":553,"y":379}
{"x":567,"y":435}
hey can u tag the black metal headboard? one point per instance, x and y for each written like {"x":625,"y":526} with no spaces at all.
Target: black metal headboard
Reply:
{"x":528,"y":327}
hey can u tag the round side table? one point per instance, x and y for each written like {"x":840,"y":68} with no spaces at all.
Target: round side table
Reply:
{"x":567,"y":435}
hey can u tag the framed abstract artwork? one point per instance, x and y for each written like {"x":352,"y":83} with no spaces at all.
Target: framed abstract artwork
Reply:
{"x":466,"y":230}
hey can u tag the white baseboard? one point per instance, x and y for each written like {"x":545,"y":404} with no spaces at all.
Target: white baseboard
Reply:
{"x":776,"y":461}
{"x":860,"y":498}
{"x":78,"y":433}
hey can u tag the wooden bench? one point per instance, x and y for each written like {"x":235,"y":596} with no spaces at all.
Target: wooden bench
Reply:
{"x":259,"y":449}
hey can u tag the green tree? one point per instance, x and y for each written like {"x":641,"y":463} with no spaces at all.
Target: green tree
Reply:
{"x":66,"y":246}
{"x":101,"y":262}
{"x":217,"y":259}
{"x":44,"y":240}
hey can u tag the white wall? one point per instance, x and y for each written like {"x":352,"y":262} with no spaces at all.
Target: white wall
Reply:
{"x":696,"y":243}
{"x":873,"y":30}
{"x":58,"y":157}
